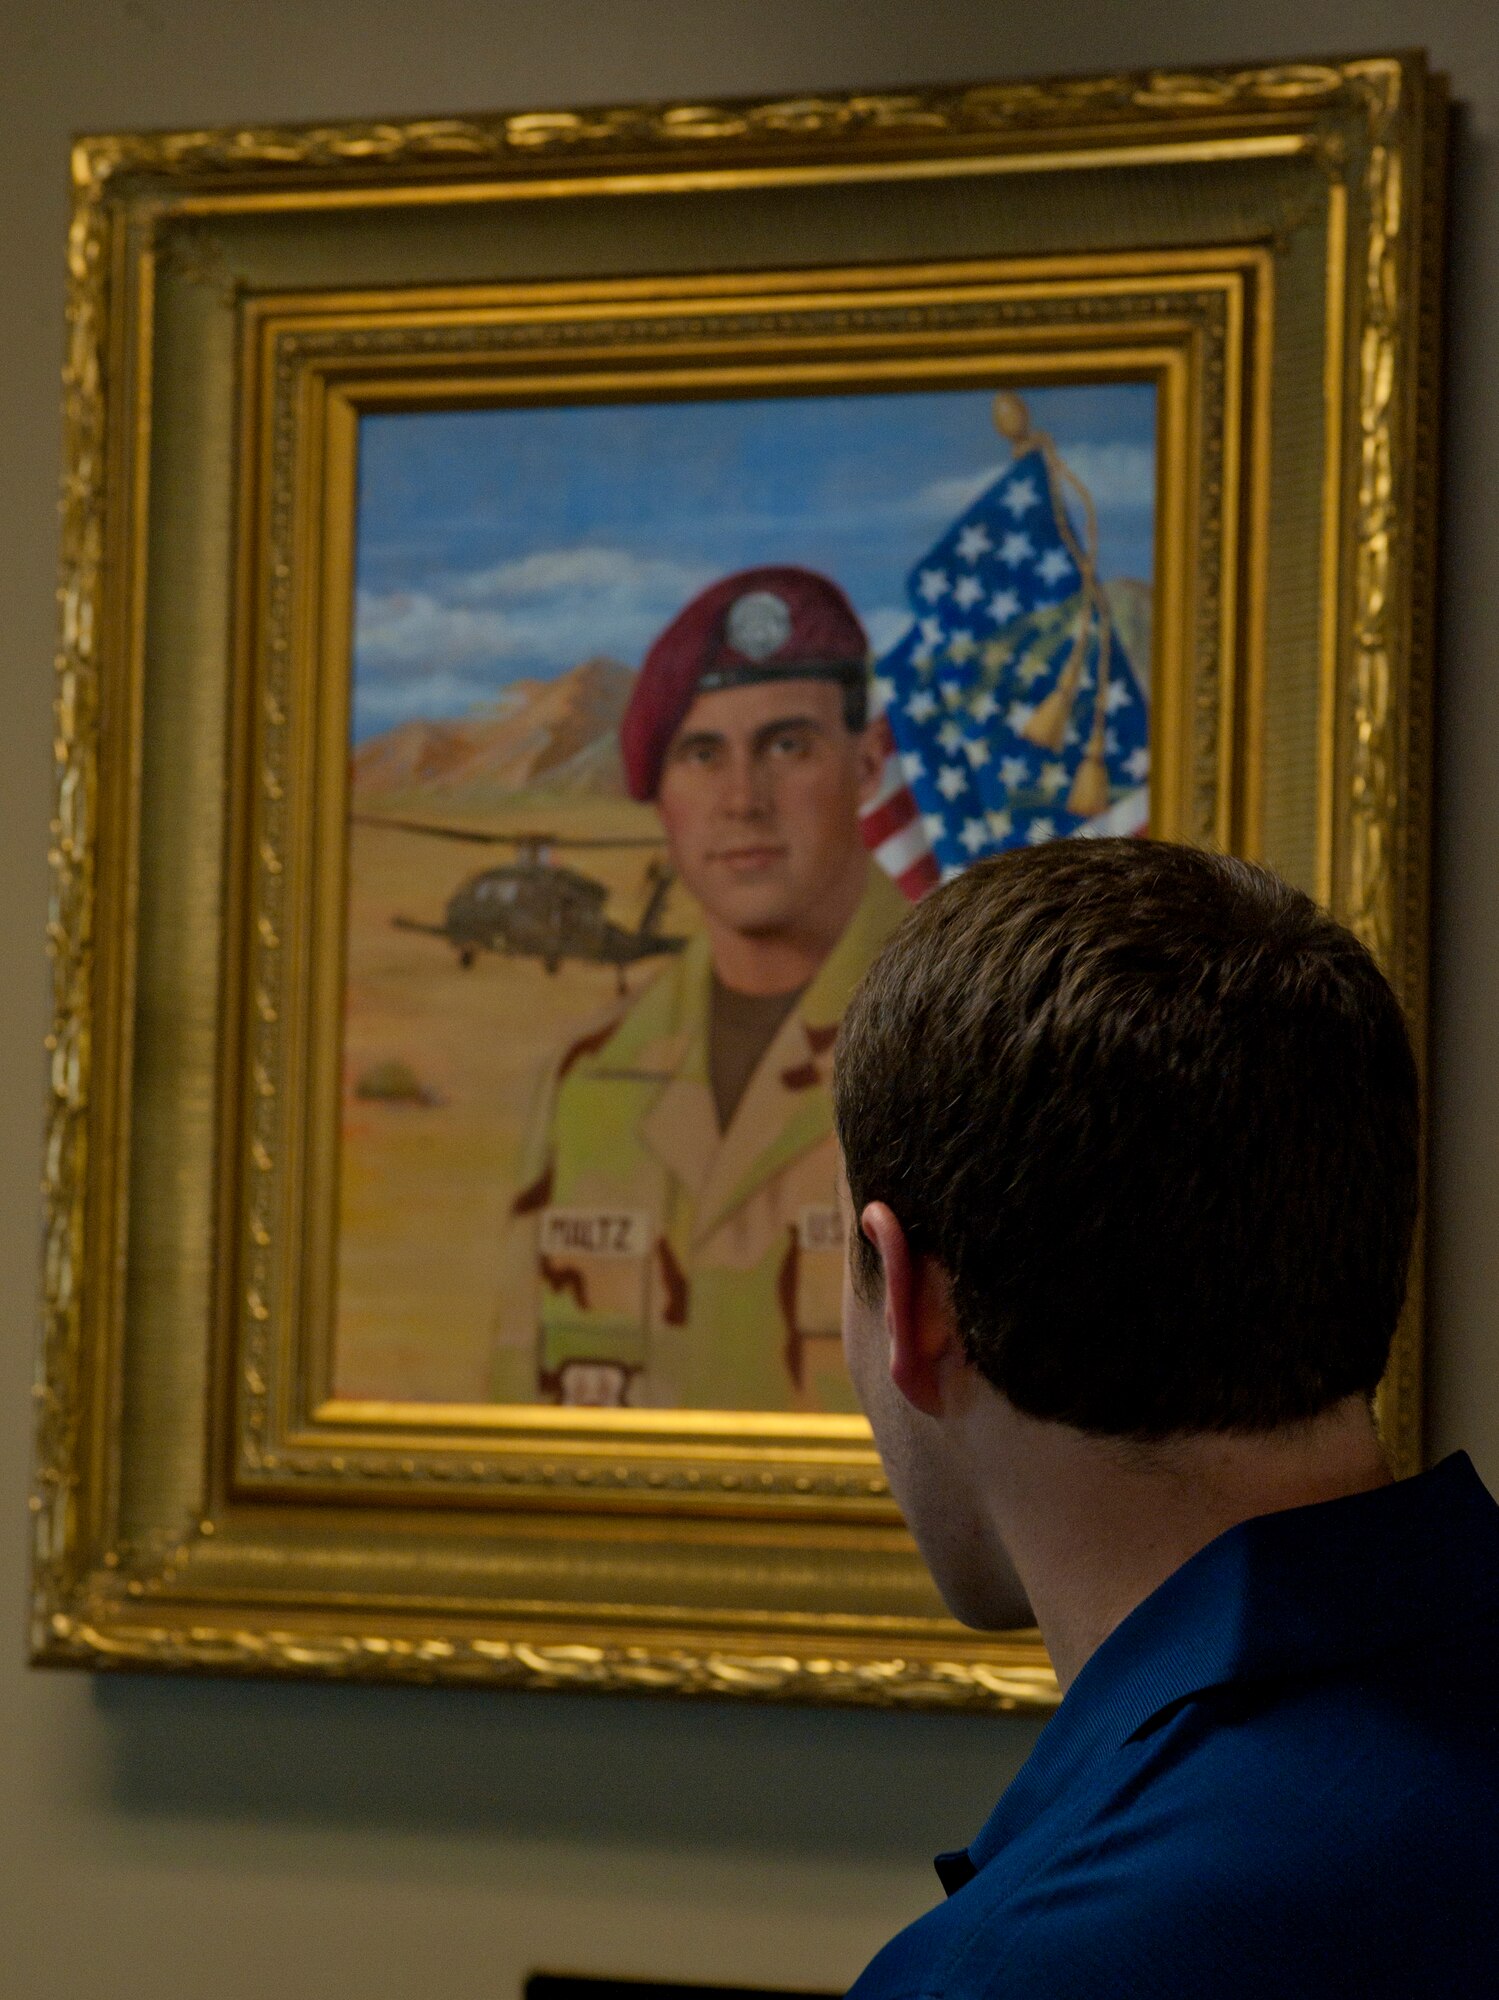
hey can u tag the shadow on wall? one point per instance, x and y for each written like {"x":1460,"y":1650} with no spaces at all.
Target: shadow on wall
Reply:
{"x":665,"y":1774}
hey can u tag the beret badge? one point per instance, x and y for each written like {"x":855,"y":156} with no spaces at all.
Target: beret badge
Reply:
{"x":758,"y":624}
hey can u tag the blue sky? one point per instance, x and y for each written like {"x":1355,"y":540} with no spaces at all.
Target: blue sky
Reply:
{"x":498,"y":544}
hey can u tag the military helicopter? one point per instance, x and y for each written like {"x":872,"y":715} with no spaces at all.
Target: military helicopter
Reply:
{"x":534,"y":907}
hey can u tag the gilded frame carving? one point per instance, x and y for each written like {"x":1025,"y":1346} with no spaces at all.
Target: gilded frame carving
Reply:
{"x":1258,"y":241}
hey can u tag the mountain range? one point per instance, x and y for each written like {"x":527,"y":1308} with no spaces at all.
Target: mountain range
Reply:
{"x":561,"y":735}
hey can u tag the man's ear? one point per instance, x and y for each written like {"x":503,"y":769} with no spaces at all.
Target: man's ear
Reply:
{"x":920,"y":1325}
{"x":871,"y":754}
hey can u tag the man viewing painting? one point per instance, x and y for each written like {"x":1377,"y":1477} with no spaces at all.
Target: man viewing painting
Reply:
{"x":668,"y":1234}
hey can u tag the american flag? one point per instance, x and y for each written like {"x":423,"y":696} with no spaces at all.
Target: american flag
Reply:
{"x":1011,"y":713}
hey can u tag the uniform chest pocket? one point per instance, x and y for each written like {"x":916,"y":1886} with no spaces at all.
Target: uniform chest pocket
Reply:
{"x":817,"y":1302}
{"x":595,"y":1264}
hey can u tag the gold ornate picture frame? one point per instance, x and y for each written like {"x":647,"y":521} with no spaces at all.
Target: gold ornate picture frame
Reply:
{"x":1259,"y":247}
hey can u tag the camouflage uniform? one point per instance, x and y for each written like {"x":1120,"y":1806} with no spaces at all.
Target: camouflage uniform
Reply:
{"x":660,"y":1263}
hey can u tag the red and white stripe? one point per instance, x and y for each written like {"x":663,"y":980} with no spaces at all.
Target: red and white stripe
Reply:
{"x":892,"y":827}
{"x":1131,"y":814}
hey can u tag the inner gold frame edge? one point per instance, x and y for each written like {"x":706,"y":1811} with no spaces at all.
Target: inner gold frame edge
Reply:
{"x":1120,"y":351}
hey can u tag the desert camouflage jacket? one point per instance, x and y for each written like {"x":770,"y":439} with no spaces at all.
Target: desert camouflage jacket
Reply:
{"x":662,"y":1263}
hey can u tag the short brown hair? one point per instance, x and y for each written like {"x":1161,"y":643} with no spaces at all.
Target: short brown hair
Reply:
{"x":1155,"y":1113}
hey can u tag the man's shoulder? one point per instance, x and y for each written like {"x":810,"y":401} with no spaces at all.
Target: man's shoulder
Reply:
{"x":641,"y":1026}
{"x":1332,"y":1837}
{"x":1311,"y":1919}
{"x":881,"y":910}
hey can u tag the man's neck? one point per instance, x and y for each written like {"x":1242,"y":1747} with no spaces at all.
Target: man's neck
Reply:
{"x":762,"y":963}
{"x":1094,"y":1525}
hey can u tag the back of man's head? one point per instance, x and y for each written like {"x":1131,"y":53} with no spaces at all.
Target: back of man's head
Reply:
{"x":1155,"y":1114}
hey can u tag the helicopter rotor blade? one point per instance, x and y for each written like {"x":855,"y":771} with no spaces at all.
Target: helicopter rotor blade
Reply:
{"x":428,"y":826}
{"x":476,"y":835}
{"x":589,"y":840}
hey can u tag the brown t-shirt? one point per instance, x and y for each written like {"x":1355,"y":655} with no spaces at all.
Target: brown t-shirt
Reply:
{"x":741,"y":1027}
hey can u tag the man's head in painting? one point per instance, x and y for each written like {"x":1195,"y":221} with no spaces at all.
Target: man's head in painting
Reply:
{"x":748,"y":730}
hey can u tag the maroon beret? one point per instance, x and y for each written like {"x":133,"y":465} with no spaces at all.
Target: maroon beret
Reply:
{"x":774,"y":624}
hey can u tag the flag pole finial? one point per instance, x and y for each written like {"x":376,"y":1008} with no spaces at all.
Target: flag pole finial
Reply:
{"x":1012,"y":420}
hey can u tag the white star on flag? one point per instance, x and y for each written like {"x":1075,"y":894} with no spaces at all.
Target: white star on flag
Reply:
{"x":1000,"y":600}
{"x":882,"y":688}
{"x":1019,"y":498}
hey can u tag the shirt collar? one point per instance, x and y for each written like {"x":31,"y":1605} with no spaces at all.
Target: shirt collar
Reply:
{"x":1288,"y":1595}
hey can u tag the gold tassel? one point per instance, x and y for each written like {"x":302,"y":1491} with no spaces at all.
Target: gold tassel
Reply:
{"x":1089,"y":795}
{"x":1047,"y":727}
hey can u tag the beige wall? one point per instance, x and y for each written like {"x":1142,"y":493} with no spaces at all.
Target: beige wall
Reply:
{"x":208,"y":1839}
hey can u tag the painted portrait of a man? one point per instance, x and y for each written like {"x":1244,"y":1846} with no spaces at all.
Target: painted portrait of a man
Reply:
{"x":682,"y":1220}
{"x":662,"y":716}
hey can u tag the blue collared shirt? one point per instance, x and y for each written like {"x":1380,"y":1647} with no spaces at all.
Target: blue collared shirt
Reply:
{"x":1277,"y":1778}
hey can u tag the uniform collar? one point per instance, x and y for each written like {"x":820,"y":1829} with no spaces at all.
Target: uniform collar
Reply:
{"x":787,"y":1107}
{"x":1287,"y":1596}
{"x":665,"y":1027}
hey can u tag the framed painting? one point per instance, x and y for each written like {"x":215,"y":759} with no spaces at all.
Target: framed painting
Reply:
{"x":541,"y":596}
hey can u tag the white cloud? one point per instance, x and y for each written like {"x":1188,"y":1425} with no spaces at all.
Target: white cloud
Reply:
{"x":1118,"y":475}
{"x":886,"y":626}
{"x":945,"y":499}
{"x":543,"y":612}
{"x":382,"y":704}
{"x":548,"y":572}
